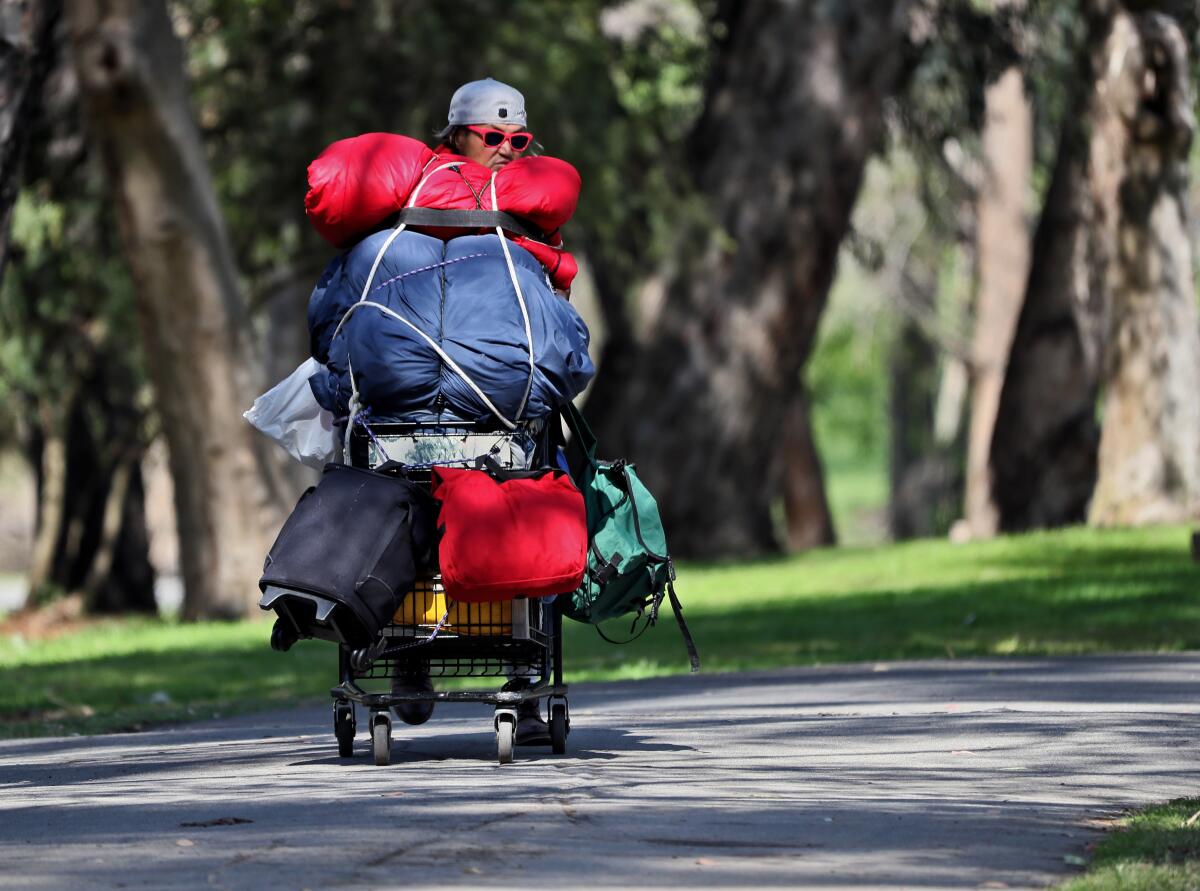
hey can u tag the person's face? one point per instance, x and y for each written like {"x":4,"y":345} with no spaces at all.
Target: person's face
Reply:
{"x":474,"y":148}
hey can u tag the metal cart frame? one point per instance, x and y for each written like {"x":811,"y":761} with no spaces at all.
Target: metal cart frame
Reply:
{"x":522,"y":637}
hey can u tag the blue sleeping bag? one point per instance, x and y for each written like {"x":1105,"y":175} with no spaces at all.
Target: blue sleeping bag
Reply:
{"x":460,"y":295}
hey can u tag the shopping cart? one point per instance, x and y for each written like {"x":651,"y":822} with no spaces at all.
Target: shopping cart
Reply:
{"x":429,"y":635}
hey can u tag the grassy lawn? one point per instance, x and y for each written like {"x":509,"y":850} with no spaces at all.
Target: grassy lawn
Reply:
{"x":1068,"y":592}
{"x":1157,"y":849}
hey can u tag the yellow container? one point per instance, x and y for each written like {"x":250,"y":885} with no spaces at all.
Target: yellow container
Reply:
{"x":426,"y":603}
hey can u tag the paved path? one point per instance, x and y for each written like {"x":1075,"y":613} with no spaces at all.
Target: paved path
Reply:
{"x":916,"y":775}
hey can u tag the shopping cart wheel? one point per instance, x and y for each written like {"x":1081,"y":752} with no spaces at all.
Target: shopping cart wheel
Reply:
{"x":283,"y":635}
{"x":344,"y":728}
{"x":506,"y":730}
{"x":558,"y":729}
{"x":381,"y":738}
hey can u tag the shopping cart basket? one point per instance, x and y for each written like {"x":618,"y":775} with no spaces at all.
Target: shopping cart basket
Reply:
{"x":521,"y":638}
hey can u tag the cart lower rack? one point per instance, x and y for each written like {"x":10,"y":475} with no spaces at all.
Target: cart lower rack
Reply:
{"x":519,"y":638}
{"x":432,"y":638}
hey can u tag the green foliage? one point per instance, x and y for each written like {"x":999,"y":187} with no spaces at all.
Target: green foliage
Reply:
{"x":1157,"y":849}
{"x":846,"y":377}
{"x":1070,"y":592}
{"x":66,"y":302}
{"x":275,"y":82}
{"x":847,"y":383}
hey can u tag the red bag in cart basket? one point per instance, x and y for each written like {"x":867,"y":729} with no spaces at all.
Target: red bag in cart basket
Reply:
{"x":509,"y":533}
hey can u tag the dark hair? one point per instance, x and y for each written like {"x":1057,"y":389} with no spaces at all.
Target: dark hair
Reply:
{"x":450,"y":137}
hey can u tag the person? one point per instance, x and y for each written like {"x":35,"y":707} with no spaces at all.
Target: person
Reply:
{"x":486,"y":124}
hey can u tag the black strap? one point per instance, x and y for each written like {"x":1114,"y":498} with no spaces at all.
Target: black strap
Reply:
{"x":637,"y":523}
{"x":469,"y":219}
{"x":502,"y":474}
{"x":580,"y":430}
{"x":649,"y":621}
{"x":693,"y":654}
{"x":652,"y":618}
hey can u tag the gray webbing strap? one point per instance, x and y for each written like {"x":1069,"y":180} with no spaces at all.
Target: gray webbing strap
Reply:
{"x":468,"y":219}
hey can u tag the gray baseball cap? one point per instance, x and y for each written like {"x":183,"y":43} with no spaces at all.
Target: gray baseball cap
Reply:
{"x":486,"y":101}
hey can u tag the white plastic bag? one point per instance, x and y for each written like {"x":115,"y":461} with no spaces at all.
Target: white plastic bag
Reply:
{"x":289,"y":414}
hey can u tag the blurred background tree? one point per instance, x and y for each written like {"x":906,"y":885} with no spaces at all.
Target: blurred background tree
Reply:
{"x":69,"y":376}
{"x":854,"y":270}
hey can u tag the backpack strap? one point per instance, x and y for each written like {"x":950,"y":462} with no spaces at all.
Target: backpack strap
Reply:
{"x":693,"y":654}
{"x":580,"y":431}
{"x":645,"y":625}
{"x":501,"y":474}
{"x":652,"y":618}
{"x":623,"y":468}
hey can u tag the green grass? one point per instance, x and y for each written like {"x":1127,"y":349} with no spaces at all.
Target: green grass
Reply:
{"x":1068,"y":592}
{"x":1156,"y":849}
{"x":126,"y":674}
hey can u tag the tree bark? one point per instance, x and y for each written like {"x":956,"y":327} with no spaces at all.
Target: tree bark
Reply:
{"x":1002,"y":248}
{"x":85,"y":430}
{"x":191,"y":310}
{"x":793,"y":111}
{"x":51,"y":467}
{"x":925,"y":474}
{"x":1109,"y":300}
{"x":805,"y":505}
{"x":26,"y":54}
{"x":1149,"y":459}
{"x":91,"y":529}
{"x":1043,"y":449}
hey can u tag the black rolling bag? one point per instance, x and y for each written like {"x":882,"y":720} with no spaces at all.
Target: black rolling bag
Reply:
{"x":347,"y":556}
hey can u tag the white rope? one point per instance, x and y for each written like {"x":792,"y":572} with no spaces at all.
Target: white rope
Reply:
{"x":512,"y":274}
{"x":355,"y":404}
{"x":388,"y":242}
{"x":442,"y":353}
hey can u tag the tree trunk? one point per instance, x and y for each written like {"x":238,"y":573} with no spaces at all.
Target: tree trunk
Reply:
{"x":191,"y":309}
{"x":1149,"y":460}
{"x":26,"y":53}
{"x":805,"y":506}
{"x":793,"y":111}
{"x":50,"y":461}
{"x":91,"y":529}
{"x":1043,"y":450}
{"x":1002,"y":246}
{"x":925,"y":474}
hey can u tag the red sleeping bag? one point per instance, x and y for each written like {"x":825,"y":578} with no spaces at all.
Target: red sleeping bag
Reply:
{"x":357,"y":183}
{"x":505,"y":534}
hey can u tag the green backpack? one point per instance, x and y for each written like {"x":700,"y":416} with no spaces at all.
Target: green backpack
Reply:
{"x":629,"y":568}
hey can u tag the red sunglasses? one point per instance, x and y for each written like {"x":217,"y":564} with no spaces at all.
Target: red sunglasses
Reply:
{"x":496,"y":138}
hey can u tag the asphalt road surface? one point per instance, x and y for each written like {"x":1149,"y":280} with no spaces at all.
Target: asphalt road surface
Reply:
{"x":957,"y":774}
